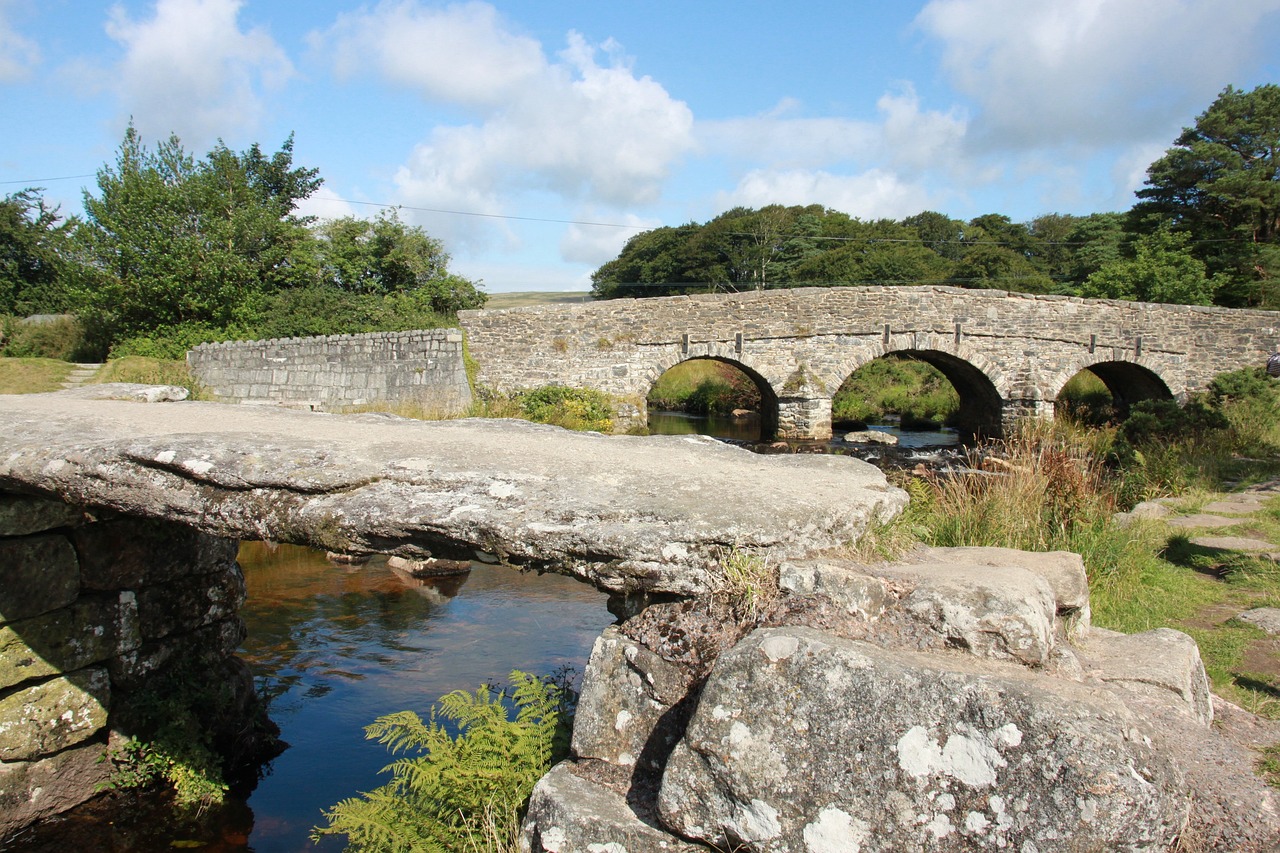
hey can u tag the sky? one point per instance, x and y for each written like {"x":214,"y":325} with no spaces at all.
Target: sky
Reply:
{"x":534,"y":137}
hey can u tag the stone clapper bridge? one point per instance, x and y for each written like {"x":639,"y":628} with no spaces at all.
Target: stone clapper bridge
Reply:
{"x":972,"y":704}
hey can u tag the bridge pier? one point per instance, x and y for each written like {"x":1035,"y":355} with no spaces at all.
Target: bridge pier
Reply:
{"x":1012,"y":411}
{"x":804,"y":418}
{"x":101,"y":618}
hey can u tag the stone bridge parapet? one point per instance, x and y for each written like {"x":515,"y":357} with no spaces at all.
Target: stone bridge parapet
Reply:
{"x":1006,"y":353}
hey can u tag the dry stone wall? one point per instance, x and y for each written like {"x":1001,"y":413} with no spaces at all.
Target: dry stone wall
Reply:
{"x":1006,"y":352}
{"x":90,"y":609}
{"x":337,"y":371}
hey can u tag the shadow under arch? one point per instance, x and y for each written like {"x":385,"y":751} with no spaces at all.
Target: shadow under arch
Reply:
{"x":768,"y":398}
{"x":1129,"y":383}
{"x":981,"y":406}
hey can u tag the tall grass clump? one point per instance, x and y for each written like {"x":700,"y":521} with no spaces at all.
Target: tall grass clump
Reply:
{"x":143,"y":370}
{"x":467,"y":771}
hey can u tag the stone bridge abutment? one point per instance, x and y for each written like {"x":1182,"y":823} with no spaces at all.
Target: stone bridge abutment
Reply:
{"x":1007,"y":354}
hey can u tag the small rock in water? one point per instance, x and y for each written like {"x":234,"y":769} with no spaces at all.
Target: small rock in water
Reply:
{"x":870,"y":436}
{"x":346,"y":559}
{"x":431,"y":567}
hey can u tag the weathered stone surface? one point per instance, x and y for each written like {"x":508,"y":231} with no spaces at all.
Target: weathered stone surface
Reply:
{"x":859,"y":594}
{"x":1162,"y":664}
{"x":1266,"y":618}
{"x":367,"y":483}
{"x":1200,"y":520}
{"x":50,"y":716}
{"x":21,"y":515}
{"x":129,"y":392}
{"x":37,"y":574}
{"x":1238,"y":543}
{"x":569,"y":814}
{"x":995,"y":611}
{"x":870,"y":436}
{"x":1063,"y":570}
{"x":90,"y":631}
{"x":31,"y":790}
{"x":1236,"y":505}
{"x":130,"y":670}
{"x":626,"y":690}
{"x":190,"y":602}
{"x":942,"y":753}
{"x":128,"y":553}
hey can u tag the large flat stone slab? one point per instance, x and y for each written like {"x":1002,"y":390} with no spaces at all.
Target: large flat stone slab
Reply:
{"x":626,"y":513}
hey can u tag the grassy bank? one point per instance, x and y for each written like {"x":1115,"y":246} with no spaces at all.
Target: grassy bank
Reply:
{"x":32,"y":375}
{"x":1057,"y":486}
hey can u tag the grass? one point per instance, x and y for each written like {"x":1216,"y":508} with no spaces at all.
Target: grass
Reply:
{"x":149,"y":371}
{"x":32,"y":375}
{"x":1052,"y":489}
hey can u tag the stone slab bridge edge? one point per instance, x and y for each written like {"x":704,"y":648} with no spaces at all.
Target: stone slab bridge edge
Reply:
{"x":1007,"y":354}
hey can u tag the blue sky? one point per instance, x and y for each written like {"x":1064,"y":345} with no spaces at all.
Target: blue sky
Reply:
{"x":527,"y":120}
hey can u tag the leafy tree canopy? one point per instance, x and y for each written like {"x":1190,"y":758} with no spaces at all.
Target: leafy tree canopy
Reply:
{"x":170,"y":240}
{"x":1219,"y":183}
{"x":31,"y":255}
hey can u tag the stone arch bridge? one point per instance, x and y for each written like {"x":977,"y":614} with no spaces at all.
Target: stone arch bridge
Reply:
{"x":1007,"y":354}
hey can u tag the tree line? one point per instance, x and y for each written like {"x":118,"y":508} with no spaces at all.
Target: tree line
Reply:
{"x":1205,"y":230}
{"x":173,"y":250}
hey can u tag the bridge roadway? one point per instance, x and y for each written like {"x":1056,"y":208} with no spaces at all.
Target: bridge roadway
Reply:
{"x":626,"y":513}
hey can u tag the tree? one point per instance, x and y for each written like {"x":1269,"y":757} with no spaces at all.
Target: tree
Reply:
{"x":386,"y":256}
{"x":1162,"y":270}
{"x":170,"y":241}
{"x":31,"y":261}
{"x":1219,"y":183}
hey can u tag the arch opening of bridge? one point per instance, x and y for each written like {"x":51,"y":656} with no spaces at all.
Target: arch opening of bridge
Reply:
{"x":1128,"y":383}
{"x":981,"y":407}
{"x":768,"y":406}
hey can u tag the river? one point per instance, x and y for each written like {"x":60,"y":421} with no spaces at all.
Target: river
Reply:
{"x":334,"y":647}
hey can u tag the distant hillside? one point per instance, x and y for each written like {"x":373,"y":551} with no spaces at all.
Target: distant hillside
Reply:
{"x":534,"y":297}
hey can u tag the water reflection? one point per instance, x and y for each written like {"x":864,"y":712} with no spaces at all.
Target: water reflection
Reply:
{"x":334,"y":647}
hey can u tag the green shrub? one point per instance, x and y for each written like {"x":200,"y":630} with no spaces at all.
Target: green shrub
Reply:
{"x":61,"y":337}
{"x":465,"y":791}
{"x":169,"y":343}
{"x":571,"y":408}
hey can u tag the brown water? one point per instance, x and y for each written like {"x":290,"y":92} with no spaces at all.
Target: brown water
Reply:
{"x":334,"y":647}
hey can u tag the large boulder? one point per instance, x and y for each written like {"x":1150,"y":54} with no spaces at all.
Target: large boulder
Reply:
{"x":940,"y":752}
{"x":958,"y":700}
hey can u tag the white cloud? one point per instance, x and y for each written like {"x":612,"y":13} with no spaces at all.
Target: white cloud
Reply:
{"x":19,"y":55}
{"x":1097,"y":72}
{"x":459,"y":54}
{"x":596,"y":244}
{"x":906,"y":138}
{"x":191,"y":70}
{"x":872,"y":194}
{"x":570,"y":127}
{"x":324,"y":203}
